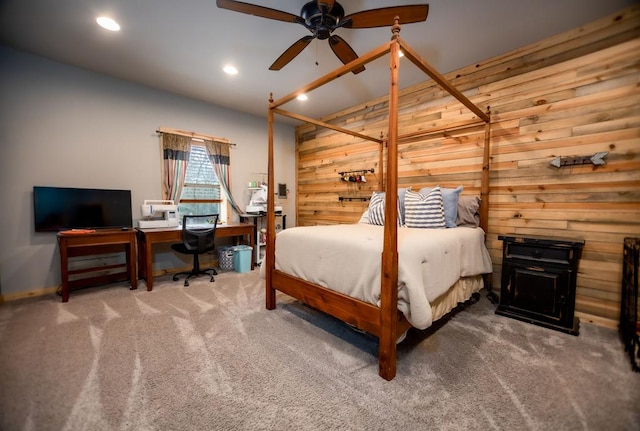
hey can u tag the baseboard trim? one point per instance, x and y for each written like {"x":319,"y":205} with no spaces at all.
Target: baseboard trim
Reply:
{"x":30,"y":294}
{"x":49,"y":290}
{"x":597,"y":320}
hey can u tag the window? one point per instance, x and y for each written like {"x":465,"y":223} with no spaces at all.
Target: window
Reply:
{"x":201,"y":193}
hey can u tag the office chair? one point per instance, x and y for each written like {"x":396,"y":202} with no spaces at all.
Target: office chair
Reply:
{"x":198,"y":234}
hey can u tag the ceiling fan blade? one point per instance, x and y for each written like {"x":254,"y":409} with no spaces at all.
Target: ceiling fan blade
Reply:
{"x":260,"y":11}
{"x":383,"y":17}
{"x":343,"y":51}
{"x":291,"y":53}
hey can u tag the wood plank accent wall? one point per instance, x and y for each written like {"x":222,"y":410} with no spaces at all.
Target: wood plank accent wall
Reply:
{"x":574,"y":94}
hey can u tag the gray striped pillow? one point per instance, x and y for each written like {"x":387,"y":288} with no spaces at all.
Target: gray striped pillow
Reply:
{"x":424,"y":211}
{"x":376,"y":210}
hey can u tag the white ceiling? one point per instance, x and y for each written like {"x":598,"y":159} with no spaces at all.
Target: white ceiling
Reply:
{"x":181,"y":46}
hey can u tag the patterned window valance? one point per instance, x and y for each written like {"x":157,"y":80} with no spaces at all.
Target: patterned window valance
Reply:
{"x":219,"y":152}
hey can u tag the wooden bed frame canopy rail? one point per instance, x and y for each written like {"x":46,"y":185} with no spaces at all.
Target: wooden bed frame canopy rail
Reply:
{"x":386,"y":322}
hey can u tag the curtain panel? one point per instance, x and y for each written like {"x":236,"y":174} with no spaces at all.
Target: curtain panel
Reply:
{"x":175,"y":155}
{"x":219,"y":156}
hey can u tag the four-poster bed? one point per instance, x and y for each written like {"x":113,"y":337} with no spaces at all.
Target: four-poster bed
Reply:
{"x":382,"y":319}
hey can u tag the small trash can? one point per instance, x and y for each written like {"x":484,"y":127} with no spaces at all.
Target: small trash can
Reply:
{"x":242,"y":258}
{"x":225,"y":258}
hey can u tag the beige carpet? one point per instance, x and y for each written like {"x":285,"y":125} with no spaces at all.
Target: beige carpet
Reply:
{"x":210,"y":357}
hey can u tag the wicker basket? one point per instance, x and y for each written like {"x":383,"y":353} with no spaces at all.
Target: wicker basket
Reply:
{"x":225,"y":258}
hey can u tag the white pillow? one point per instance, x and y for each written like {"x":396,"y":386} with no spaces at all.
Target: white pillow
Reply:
{"x":365,"y":217}
{"x":424,"y":211}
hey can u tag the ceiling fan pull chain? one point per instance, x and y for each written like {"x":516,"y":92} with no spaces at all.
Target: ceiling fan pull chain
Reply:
{"x":317,"y":64}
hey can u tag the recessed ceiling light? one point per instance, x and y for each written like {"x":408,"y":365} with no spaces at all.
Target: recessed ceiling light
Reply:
{"x":230,"y":70}
{"x":302,"y":97}
{"x":108,"y":23}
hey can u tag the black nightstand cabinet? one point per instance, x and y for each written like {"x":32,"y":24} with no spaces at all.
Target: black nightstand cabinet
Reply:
{"x":539,"y":281}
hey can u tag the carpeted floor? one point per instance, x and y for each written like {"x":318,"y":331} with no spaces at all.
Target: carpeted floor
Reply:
{"x":211,"y":357}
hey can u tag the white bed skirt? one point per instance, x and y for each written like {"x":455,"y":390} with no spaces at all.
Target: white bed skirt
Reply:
{"x":459,"y":292}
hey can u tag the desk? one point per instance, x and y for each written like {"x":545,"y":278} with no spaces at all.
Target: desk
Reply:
{"x":148,"y":237}
{"x":98,"y":242}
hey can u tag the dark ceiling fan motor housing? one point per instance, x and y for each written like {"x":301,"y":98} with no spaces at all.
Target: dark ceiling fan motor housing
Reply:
{"x":322,"y":22}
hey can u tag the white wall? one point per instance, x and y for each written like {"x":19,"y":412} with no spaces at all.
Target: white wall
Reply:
{"x":68,"y":127}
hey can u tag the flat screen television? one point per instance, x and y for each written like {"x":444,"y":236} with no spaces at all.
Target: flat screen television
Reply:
{"x":63,"y":208}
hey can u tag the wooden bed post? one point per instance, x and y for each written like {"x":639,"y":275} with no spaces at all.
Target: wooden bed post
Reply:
{"x":484,"y":185}
{"x":383,"y":145}
{"x":389,"y":279}
{"x":270,"y":253}
{"x":484,"y":199}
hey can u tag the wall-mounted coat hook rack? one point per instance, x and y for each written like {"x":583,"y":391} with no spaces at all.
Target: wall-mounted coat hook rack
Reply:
{"x":357,"y":176}
{"x":358,"y":171}
{"x":363,"y":199}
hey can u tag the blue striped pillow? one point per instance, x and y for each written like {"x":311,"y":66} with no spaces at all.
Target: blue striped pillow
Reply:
{"x":376,"y":209}
{"x":424,"y":211}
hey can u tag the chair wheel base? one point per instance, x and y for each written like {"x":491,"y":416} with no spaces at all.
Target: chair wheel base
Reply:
{"x":192,"y":274}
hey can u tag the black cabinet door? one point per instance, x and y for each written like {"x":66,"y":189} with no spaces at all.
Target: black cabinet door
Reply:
{"x":536,"y":292}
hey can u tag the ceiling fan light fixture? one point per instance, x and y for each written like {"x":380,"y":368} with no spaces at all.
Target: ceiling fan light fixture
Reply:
{"x":302,"y":97}
{"x":108,"y":23}
{"x":230,"y":70}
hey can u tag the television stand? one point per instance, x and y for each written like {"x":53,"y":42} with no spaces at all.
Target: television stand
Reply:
{"x":86,"y":243}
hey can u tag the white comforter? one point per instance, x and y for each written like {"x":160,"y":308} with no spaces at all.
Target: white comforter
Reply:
{"x":347,"y":258}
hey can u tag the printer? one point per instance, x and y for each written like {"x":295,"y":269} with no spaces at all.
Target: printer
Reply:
{"x":158,"y":213}
{"x":258,"y":202}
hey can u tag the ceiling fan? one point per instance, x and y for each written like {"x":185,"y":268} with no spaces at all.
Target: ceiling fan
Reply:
{"x":322,"y":17}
